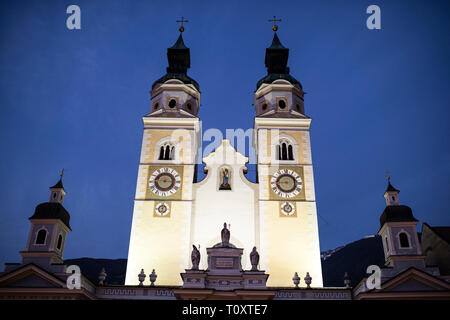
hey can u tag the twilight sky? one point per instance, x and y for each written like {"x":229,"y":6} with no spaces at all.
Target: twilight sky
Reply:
{"x":379,"y":100}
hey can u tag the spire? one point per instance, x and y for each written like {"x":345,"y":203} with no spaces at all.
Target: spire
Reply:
{"x":394,"y":212}
{"x":390,"y":188}
{"x":276,"y":43}
{"x":391,"y":194}
{"x":276,"y":61}
{"x":57,"y":191}
{"x":179,"y":44}
{"x":179,"y":57}
{"x":179,"y":60}
{"x":277,"y":57}
{"x":59,"y":184}
{"x":53,"y":209}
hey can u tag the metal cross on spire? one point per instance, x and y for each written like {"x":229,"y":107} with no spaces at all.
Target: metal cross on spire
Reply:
{"x":275,"y":20}
{"x":181,"y":28}
{"x":62,"y":173}
{"x":388,"y":177}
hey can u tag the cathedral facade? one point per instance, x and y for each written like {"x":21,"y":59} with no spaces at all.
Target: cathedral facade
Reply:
{"x":173,"y":211}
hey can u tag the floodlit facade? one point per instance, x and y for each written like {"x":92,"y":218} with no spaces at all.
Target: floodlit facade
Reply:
{"x":173,"y":211}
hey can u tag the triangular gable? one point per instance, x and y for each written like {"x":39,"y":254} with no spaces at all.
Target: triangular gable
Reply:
{"x":30,"y":276}
{"x":414,"y":280}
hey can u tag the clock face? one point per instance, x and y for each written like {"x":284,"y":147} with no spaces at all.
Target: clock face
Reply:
{"x":286,"y":183}
{"x":287,"y":209}
{"x":164,"y":182}
{"x":162,"y":209}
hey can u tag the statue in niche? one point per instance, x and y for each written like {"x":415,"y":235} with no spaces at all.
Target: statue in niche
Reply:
{"x":195,"y":257}
{"x":225,"y":178}
{"x":254,"y":259}
{"x":225,"y":234}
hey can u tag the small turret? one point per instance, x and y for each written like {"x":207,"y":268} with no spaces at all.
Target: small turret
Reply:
{"x":398,"y":228}
{"x":49,"y":229}
{"x":391,"y":194}
{"x":57,"y":191}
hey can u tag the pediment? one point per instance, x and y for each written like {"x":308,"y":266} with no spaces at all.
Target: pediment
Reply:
{"x":30,"y":276}
{"x":414,"y":280}
{"x":226,"y":154}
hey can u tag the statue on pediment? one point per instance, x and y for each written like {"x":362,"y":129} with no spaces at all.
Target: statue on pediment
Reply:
{"x":195,"y":257}
{"x":254,"y":259}
{"x":225,"y":234}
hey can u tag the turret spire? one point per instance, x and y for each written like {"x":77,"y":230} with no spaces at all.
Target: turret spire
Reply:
{"x":57,"y":191}
{"x":179,"y":59}
{"x":391,"y":194}
{"x":276,"y":61}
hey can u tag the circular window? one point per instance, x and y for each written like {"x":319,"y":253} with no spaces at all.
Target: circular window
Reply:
{"x":282,"y":104}
{"x":156,"y":106}
{"x":264,"y":107}
{"x":189,"y":106}
{"x":298,"y":107}
{"x":172,"y":103}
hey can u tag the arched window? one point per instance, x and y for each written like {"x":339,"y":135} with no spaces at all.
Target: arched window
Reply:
{"x":58,"y":246}
{"x":290,"y":153}
{"x":284,"y":150}
{"x":167,"y":151}
{"x":404,"y":242}
{"x":387,"y":243}
{"x":41,"y":235}
{"x":284,"y":155}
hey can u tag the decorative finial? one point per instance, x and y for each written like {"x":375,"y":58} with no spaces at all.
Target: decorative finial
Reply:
{"x":388,"y":177}
{"x":101,"y":277}
{"x":347,"y":280}
{"x":62,"y":173}
{"x":153,"y":277}
{"x":274,"y":20}
{"x":181,"y":28}
{"x":296,"y":280}
{"x":308,"y":280}
{"x":141,"y":277}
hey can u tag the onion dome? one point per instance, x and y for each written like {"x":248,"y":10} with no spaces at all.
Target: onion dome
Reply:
{"x":276,"y":64}
{"x":179,"y":60}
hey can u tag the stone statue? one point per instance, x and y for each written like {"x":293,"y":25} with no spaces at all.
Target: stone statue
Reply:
{"x":225,"y":234}
{"x":195,"y":257}
{"x":225,"y":180}
{"x":254,"y":259}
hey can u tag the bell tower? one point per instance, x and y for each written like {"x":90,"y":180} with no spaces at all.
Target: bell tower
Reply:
{"x":289,"y":237}
{"x":161,"y":227}
{"x":49,"y":229}
{"x":398,"y":230}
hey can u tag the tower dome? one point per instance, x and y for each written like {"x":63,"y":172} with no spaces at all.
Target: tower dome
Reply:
{"x":179,"y":59}
{"x":276,"y":64}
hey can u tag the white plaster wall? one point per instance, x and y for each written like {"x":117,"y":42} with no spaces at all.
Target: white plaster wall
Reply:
{"x":212,"y":207}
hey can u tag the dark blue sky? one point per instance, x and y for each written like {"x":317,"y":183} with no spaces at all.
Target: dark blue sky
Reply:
{"x":379,"y":101}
